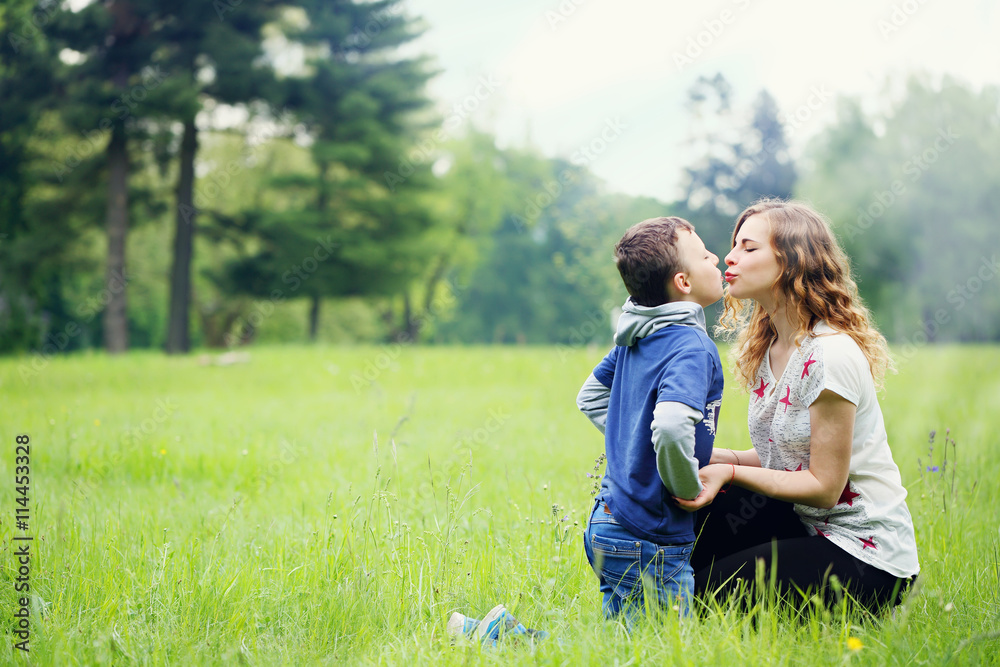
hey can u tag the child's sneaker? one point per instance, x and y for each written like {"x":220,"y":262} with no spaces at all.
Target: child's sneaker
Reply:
{"x":498,"y":623}
{"x":489,"y":628}
{"x":460,"y":625}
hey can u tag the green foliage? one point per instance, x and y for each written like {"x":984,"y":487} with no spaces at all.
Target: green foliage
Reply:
{"x":364,"y":231}
{"x":342,"y":184}
{"x":29,"y":275}
{"x":197,"y":520}
{"x":911,"y":193}
{"x":740,"y":164}
{"x":536,"y":263}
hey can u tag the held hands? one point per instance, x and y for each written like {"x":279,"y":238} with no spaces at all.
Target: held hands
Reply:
{"x":713,"y":477}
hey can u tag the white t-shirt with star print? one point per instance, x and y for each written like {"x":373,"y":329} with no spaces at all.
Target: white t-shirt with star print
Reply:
{"x":871,"y":522}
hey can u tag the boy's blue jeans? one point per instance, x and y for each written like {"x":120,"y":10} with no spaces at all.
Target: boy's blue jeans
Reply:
{"x":623,"y":563}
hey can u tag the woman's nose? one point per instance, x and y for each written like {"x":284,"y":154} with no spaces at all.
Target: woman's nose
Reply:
{"x":730,"y":260}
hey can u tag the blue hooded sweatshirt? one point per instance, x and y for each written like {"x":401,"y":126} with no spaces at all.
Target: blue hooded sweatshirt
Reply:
{"x":656,"y":396}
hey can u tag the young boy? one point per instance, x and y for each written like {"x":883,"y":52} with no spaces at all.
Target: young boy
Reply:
{"x":656,"y":398}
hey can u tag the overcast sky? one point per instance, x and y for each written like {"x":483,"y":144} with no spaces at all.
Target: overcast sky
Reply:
{"x":568,"y":69}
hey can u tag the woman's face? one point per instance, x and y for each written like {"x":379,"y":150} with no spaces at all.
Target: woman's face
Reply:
{"x":753,"y":266}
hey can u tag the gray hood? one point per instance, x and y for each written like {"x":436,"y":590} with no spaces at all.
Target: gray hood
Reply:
{"x":639,"y":321}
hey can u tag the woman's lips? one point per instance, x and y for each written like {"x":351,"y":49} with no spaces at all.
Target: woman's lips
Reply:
{"x":729,"y":277}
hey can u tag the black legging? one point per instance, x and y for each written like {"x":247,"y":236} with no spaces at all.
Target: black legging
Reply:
{"x":738,"y":528}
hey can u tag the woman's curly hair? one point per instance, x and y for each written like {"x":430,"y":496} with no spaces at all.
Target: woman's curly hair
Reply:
{"x":815,"y":280}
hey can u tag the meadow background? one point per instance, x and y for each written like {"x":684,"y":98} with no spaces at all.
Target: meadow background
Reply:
{"x":289,"y":510}
{"x":296,"y":297}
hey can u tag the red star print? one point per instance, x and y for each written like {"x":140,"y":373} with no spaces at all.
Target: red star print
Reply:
{"x":820,"y":532}
{"x":805,"y":369}
{"x":796,"y":470}
{"x":760,"y":390}
{"x":868,"y":543}
{"x":848,"y":496}
{"x":787,"y":400}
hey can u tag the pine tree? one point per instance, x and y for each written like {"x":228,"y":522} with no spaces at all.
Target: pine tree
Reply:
{"x":111,"y":89}
{"x":738,"y":166}
{"x":362,"y":233}
{"x":214,"y":51}
{"x":27,"y":62}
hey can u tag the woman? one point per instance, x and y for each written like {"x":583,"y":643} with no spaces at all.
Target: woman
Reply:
{"x":820,"y":479}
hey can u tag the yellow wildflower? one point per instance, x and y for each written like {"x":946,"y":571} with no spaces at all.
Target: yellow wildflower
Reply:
{"x":854,"y":644}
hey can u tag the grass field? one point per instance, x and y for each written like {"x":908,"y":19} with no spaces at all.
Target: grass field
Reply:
{"x":335,"y":505}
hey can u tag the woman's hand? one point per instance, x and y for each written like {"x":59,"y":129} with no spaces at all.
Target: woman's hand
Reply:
{"x":713,"y":477}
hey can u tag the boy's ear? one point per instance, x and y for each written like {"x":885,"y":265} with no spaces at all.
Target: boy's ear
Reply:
{"x":681,"y":283}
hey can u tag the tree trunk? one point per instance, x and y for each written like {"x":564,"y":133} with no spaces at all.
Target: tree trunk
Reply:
{"x":115,"y":318}
{"x":178,"y":325}
{"x":406,"y":334}
{"x":322,"y":204}
{"x":430,"y":312}
{"x":314,"y":317}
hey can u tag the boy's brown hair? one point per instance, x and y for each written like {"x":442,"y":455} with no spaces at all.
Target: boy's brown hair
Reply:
{"x":647,"y":259}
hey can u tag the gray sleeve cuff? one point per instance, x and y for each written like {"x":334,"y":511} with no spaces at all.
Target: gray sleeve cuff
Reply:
{"x":673,"y":440}
{"x":593,"y":401}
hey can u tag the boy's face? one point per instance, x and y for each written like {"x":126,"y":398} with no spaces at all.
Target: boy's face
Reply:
{"x":701,"y":278}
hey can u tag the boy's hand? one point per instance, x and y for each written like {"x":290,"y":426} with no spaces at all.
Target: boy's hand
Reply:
{"x":713,"y":477}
